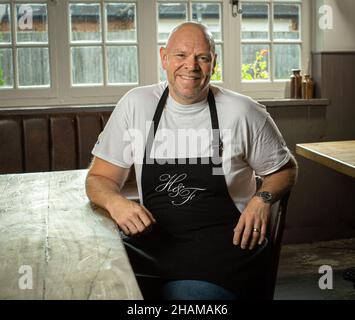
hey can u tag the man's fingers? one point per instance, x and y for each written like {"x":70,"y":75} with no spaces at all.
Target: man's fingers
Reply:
{"x":246,"y":236}
{"x":262,"y":233}
{"x":149,"y":214}
{"x":131,"y":227}
{"x":238,"y":230}
{"x":145,"y":218}
{"x":255,"y":237}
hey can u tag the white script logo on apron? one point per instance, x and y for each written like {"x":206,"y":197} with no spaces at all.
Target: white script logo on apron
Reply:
{"x":176,"y":188}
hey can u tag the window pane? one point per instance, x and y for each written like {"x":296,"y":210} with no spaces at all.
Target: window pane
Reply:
{"x":287,"y":57}
{"x":121,"y":22}
{"x":255,"y":21}
{"x":33,"y":66}
{"x":6,"y":72}
{"x":255,"y":62}
{"x":32,"y":23}
{"x":218,"y":71}
{"x":286,"y":21}
{"x":210,"y":15}
{"x":169,"y":16}
{"x":5,"y":23}
{"x":122,"y":64}
{"x":85,"y":22}
{"x":87,"y":65}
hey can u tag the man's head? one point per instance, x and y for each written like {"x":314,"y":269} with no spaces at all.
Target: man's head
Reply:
{"x":189,"y":59}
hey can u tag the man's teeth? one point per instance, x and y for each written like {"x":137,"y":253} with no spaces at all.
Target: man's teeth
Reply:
{"x":188,"y":78}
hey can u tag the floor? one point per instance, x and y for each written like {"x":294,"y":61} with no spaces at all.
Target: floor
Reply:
{"x":299,"y":276}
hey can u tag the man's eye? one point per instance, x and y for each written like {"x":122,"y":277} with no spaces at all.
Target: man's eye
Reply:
{"x":180,"y":55}
{"x":204,"y":59}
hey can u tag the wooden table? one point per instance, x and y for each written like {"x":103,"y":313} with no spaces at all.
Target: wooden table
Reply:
{"x":48,"y":228}
{"x":337,"y":155}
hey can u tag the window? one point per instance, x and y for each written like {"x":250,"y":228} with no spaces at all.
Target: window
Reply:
{"x":59,"y":52}
{"x":271,"y":39}
{"x":103,"y":43}
{"x":24,"y":54}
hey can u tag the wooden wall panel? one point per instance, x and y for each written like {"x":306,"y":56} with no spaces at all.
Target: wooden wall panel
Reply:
{"x":88,"y":129}
{"x":63,"y":143}
{"x":11,"y":155}
{"x":36,"y":144}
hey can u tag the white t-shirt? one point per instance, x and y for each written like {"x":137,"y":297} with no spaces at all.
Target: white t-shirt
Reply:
{"x":253,"y":145}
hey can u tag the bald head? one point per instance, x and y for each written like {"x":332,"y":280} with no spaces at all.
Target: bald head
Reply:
{"x":193,"y":27}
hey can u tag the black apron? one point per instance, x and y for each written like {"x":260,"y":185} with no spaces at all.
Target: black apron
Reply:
{"x":196,"y":217}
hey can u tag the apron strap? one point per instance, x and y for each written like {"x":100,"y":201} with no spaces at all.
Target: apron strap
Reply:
{"x":217,"y":144}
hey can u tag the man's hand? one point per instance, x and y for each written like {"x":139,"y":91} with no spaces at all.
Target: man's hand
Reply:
{"x":131,"y":217}
{"x":252,"y":224}
{"x":103,"y":187}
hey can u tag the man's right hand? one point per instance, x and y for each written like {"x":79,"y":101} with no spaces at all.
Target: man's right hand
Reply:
{"x":131,"y":217}
{"x":103,"y":187}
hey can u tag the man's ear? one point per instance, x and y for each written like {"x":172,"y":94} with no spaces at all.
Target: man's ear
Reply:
{"x":214,"y":63}
{"x":163,"y":57}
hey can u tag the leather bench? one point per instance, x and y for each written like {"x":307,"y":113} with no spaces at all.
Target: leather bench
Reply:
{"x":36,"y":139}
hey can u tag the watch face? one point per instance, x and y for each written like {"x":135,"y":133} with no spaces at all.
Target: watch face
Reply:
{"x":266,"y":196}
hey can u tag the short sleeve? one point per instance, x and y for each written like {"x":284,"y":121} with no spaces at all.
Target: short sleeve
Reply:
{"x":268,"y":151}
{"x":114,"y":142}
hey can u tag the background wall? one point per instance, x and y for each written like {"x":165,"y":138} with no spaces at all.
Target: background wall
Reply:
{"x":341,"y":36}
{"x":322,"y":203}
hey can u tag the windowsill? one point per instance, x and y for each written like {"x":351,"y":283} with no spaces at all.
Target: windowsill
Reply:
{"x":294,"y":102}
{"x":107,"y":107}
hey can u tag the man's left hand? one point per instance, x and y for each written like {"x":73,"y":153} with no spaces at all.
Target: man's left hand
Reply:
{"x":252,"y":224}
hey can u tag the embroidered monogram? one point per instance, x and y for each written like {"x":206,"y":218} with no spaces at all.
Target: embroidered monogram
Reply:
{"x":173,"y":184}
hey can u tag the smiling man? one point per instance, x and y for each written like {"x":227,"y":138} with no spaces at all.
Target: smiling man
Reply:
{"x":195,"y":234}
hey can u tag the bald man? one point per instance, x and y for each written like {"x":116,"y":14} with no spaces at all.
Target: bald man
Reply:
{"x":199,"y":230}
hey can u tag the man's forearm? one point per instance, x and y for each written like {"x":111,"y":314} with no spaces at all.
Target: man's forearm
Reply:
{"x":281,"y":181}
{"x":103,"y":192}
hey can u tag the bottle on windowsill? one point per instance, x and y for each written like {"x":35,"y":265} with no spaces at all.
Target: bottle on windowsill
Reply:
{"x":296,"y":84}
{"x":307,"y":87}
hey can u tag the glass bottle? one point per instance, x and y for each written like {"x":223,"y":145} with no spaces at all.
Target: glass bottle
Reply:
{"x":307,"y":87}
{"x":297,"y":86}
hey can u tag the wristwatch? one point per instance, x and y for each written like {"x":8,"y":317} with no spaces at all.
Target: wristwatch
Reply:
{"x":265,"y":196}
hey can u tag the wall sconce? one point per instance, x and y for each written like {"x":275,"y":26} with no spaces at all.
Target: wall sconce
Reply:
{"x":235,"y":8}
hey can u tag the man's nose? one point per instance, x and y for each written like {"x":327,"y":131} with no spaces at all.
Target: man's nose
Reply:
{"x":192,"y":63}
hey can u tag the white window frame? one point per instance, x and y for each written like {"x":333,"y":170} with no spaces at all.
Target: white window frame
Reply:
{"x":62,"y":93}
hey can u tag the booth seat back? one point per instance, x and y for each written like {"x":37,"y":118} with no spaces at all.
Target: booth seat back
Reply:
{"x":49,"y":139}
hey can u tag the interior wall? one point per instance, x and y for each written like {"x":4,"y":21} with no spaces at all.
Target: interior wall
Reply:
{"x":333,"y":25}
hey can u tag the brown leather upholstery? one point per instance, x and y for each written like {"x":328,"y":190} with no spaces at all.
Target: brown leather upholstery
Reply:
{"x":46,"y":139}
{"x":51,"y":139}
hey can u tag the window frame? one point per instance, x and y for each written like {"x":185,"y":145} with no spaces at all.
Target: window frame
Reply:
{"x":62,"y":93}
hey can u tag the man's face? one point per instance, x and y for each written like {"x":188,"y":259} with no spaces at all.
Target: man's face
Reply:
{"x":189,"y":63}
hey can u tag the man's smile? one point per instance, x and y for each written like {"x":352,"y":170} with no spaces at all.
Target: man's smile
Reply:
{"x":184,"y":77}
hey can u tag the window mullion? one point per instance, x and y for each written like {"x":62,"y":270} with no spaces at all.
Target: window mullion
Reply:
{"x":271,"y":36}
{"x":13,"y":26}
{"x":103,"y":23}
